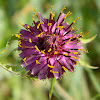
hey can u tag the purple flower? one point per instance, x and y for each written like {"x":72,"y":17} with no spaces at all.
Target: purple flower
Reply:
{"x":49,"y":47}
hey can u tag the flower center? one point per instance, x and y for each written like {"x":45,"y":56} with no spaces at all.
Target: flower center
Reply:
{"x":48,"y":43}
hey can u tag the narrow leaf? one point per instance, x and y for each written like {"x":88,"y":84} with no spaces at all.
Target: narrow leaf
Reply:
{"x":6,"y":67}
{"x":51,"y":87}
{"x":83,"y":63}
{"x":88,"y":40}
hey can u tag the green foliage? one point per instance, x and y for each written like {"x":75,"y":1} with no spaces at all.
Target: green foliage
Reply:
{"x":83,"y":84}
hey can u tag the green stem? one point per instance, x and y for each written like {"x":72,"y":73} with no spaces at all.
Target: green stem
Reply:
{"x":51,"y":87}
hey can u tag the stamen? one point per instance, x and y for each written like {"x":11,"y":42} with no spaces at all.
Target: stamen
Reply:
{"x":37,"y":62}
{"x":64,"y":68}
{"x":40,"y":34}
{"x":43,"y":51}
{"x":21,"y":24}
{"x":17,"y":35}
{"x":74,"y":57}
{"x":30,"y":40}
{"x":19,"y":43}
{"x":53,"y":14}
{"x":55,"y":52}
{"x":69,"y":13}
{"x":60,"y":27}
{"x":53,"y":71}
{"x":50,"y":66}
{"x":37,"y":48}
{"x":39,"y":25}
{"x":74,"y":52}
{"x":49,"y":50}
{"x":34,"y":11}
{"x":51,"y":8}
{"x":86,"y":33}
{"x":25,"y":60}
{"x":49,"y":24}
{"x":84,"y":50}
{"x":63,"y":9}
{"x":33,"y":17}
{"x":77,"y":19}
{"x":65,"y":54}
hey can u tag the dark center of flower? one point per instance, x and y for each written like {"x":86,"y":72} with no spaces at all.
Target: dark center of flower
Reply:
{"x":43,"y":43}
{"x":48,"y":42}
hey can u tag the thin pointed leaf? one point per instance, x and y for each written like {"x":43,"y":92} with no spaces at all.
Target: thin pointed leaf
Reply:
{"x":51,"y":87}
{"x":15,"y":68}
{"x":9,"y":42}
{"x":88,"y":40}
{"x":83,"y":63}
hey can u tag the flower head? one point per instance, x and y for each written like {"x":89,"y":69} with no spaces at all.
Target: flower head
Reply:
{"x":49,"y":47}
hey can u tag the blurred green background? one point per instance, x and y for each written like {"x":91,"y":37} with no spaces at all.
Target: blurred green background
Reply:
{"x":83,"y":84}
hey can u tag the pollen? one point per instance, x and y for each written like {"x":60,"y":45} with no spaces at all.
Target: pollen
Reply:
{"x":63,"y":9}
{"x":53,"y":71}
{"x":17,"y":35}
{"x":40,"y":34}
{"x":50,"y":66}
{"x":37,"y":48}
{"x":39,"y":25}
{"x":55,"y":52}
{"x":43,"y":51}
{"x":37,"y":62}
{"x":49,"y":24}
{"x":25,"y":60}
{"x":77,"y":19}
{"x":30,"y":40}
{"x":49,"y":50}
{"x":69,"y":13}
{"x":64,"y":68}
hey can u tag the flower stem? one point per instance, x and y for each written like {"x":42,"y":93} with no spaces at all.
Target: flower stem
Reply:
{"x":51,"y":87}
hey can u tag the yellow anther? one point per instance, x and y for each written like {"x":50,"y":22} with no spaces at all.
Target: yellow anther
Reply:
{"x":43,"y":51}
{"x":64,"y":68}
{"x":37,"y":62}
{"x":33,"y":17}
{"x":74,"y":57}
{"x":37,"y":48}
{"x":30,"y":40}
{"x":34,"y":11}
{"x":53,"y":71}
{"x":69,"y":13}
{"x":84,"y":50}
{"x":86,"y":33}
{"x":25,"y":60}
{"x":60,"y":27}
{"x":49,"y":24}
{"x":17,"y":35}
{"x":50,"y":66}
{"x":55,"y":52}
{"x":81,"y":33}
{"x":77,"y":19}
{"x":72,"y":36}
{"x":21,"y":24}
{"x":40,"y":34}
{"x":49,"y":50}
{"x":39,"y":25}
{"x":53,"y":14}
{"x":63,"y":9}
{"x":65,"y":54}
{"x":72,"y":28}
{"x":51,"y":8}
{"x":28,"y":26}
{"x":74,"y":52}
{"x":19,"y":43}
